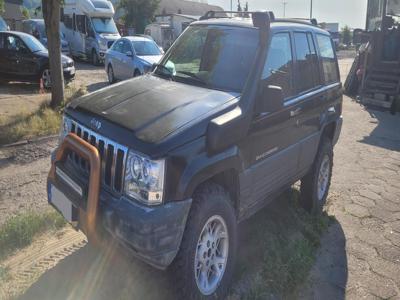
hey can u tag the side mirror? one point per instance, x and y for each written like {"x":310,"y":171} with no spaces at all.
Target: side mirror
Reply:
{"x":129,"y":54}
{"x":271,"y":99}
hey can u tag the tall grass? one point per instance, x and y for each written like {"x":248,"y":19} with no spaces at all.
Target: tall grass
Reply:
{"x":44,"y":121}
{"x":19,"y":231}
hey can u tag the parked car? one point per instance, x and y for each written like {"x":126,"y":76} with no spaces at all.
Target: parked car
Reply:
{"x":24,"y":58}
{"x":168,"y":164}
{"x":131,"y":56}
{"x":3,"y":25}
{"x":36,"y":27}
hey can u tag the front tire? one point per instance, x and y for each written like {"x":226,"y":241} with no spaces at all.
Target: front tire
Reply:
{"x":110,"y":74}
{"x":46,"y":79}
{"x":315,"y":185}
{"x":95,"y":58}
{"x":205,"y":261}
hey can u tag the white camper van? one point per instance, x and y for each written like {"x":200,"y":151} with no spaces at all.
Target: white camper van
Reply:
{"x":89,"y":27}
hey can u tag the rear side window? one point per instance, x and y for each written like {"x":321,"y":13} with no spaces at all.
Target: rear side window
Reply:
{"x":68,"y":21}
{"x":307,"y":73}
{"x":328,"y":60}
{"x":278,"y":66}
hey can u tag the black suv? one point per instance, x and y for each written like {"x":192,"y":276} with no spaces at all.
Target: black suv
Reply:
{"x":168,"y":164}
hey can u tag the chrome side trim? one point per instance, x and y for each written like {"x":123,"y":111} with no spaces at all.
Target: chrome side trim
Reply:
{"x":311,"y":94}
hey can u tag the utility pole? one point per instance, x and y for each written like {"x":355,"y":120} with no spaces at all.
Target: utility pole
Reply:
{"x":284,"y":8}
{"x":311,"y":7}
{"x":231,"y":9}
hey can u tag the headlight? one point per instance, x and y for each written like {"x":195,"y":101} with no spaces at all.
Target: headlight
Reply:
{"x":103,"y":44}
{"x":65,"y":129}
{"x":144,"y":179}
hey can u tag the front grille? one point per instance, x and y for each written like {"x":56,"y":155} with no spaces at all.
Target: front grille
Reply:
{"x":112,"y":154}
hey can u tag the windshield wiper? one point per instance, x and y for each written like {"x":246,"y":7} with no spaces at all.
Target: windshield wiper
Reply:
{"x":193,"y":76}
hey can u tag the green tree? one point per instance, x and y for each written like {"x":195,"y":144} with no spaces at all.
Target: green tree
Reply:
{"x":1,"y":5}
{"x":138,"y":13}
{"x":346,"y":35}
{"x":25,"y":13}
{"x":51,"y":15}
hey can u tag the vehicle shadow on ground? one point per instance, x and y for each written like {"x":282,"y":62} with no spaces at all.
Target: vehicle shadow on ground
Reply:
{"x":386,"y":134}
{"x":111,"y":274}
{"x":19,"y":88}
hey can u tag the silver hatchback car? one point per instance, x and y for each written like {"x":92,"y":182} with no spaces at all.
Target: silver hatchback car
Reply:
{"x":131,"y":56}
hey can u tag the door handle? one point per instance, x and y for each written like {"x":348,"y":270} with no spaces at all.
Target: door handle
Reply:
{"x":295,"y":112}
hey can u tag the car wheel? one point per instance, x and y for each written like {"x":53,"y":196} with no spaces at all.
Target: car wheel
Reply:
{"x":137,"y":73}
{"x":95,"y":58}
{"x":205,"y":261}
{"x":110,"y":75}
{"x":315,"y":185}
{"x":46,"y":78}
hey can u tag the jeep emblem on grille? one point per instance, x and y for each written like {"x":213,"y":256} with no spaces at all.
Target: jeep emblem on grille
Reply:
{"x":95,"y":123}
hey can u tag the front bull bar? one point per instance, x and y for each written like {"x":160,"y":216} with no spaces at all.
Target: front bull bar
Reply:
{"x":87,"y":219}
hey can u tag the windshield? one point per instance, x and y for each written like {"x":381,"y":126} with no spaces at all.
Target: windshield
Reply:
{"x":217,"y":57}
{"x":3,"y":25}
{"x":104,"y":25}
{"x":43,"y":34}
{"x":32,"y":43}
{"x":143,"y":48}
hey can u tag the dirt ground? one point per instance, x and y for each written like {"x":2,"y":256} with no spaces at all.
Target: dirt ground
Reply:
{"x":359,"y":256}
{"x":19,"y":97}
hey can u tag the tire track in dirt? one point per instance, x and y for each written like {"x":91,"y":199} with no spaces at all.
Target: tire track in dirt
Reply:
{"x":27,"y":265}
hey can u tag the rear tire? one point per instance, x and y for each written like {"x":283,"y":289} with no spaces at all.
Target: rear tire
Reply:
{"x":204,"y":264}
{"x":315,"y":185}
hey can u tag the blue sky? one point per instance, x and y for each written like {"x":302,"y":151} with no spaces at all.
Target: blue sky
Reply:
{"x":346,"y":12}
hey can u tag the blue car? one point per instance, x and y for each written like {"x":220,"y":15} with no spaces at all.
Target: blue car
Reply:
{"x":131,"y":56}
{"x":36,"y":27}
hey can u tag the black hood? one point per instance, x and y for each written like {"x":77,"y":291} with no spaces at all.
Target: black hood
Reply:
{"x":152,"y":108}
{"x":45,"y":54}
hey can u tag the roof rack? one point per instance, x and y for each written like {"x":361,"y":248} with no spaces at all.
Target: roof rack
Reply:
{"x":250,"y":14}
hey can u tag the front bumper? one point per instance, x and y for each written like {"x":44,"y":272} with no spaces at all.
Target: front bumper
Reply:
{"x":69,"y":73}
{"x":153,"y":234}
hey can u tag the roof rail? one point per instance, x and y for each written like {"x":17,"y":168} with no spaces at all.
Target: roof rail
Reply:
{"x":260,"y":18}
{"x":313,"y":21}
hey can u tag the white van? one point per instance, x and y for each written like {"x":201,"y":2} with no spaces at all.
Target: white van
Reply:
{"x":89,"y":27}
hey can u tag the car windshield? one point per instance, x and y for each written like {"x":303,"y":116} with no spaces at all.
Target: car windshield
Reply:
{"x":218,"y":57}
{"x":43,"y":34}
{"x":32,"y":43}
{"x":3,"y":24}
{"x":143,"y":48}
{"x":104,"y":25}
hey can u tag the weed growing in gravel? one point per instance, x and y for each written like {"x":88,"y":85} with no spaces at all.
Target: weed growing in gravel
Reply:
{"x":44,"y":121}
{"x":279,"y":245}
{"x":19,"y":231}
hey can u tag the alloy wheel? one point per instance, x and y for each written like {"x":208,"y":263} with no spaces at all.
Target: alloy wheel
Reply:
{"x":323,"y":177}
{"x":211,"y":255}
{"x":46,"y":78}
